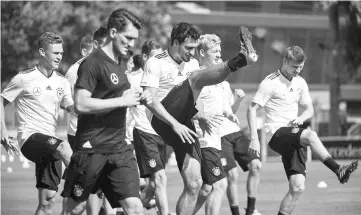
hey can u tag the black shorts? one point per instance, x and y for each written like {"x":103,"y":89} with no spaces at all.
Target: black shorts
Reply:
{"x":71,"y":140}
{"x":181,"y":105}
{"x":286,"y":142}
{"x":40,"y":149}
{"x":115,"y":174}
{"x":150,"y":151}
{"x":235,"y":148}
{"x":211,"y":169}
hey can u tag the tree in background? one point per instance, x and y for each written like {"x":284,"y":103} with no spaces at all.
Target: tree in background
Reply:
{"x":23,"y":22}
{"x":346,"y":51}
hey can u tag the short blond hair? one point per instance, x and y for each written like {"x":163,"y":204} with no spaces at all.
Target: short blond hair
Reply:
{"x":295,"y":53}
{"x":207,"y":41}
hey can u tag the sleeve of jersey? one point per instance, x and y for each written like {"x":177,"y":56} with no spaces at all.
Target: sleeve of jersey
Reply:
{"x":88,"y":76}
{"x":67,"y":98}
{"x":151,"y":74}
{"x":305,"y":97}
{"x":263,"y":93}
{"x":13,"y":89}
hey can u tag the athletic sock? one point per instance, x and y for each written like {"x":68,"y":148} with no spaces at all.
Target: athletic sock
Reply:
{"x":235,"y":210}
{"x":331,"y":164}
{"x":237,"y":62}
{"x":251,"y":204}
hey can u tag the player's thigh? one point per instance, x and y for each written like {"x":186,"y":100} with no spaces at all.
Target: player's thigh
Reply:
{"x":191,"y":171}
{"x":46,"y":196}
{"x":74,"y":207}
{"x":121,"y":180}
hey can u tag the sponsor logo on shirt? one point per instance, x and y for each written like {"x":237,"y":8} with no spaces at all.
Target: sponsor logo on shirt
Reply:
{"x":170,"y":77}
{"x":37,"y":91}
{"x":114,"y":78}
{"x":60,"y":92}
{"x":87,"y":145}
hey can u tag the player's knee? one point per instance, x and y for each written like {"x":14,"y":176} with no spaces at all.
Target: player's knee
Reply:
{"x":64,"y":148}
{"x":46,"y":205}
{"x":205,"y":190}
{"x":160,"y":179}
{"x":255,"y":166}
{"x":135,"y":208}
{"x":297,"y":189}
{"x":232,"y":176}
{"x":194,"y":186}
{"x":309,"y":136}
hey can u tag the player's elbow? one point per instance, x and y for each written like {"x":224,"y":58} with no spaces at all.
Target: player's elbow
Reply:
{"x":80,"y":108}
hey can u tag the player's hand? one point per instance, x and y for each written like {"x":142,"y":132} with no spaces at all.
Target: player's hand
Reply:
{"x":239,"y":93}
{"x":210,"y":123}
{"x":185,"y":133}
{"x":146,"y":98}
{"x":131,"y":97}
{"x":8,"y":143}
{"x":297,"y":122}
{"x":255,"y":147}
{"x":232,"y":117}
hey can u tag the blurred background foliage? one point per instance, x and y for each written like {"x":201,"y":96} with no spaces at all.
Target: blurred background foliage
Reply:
{"x":22,"y":23}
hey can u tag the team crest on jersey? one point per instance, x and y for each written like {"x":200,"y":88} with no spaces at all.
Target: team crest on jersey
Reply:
{"x":170,"y":77}
{"x":216,"y":171}
{"x":51,"y":141}
{"x":295,"y":130}
{"x":37,"y":91}
{"x":152,"y":163}
{"x":224,"y":161}
{"x":78,"y":190}
{"x":60,"y":92}
{"x":114,"y":78}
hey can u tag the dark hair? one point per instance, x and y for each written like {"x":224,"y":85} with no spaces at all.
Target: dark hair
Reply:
{"x":86,"y":43}
{"x":295,"y":53}
{"x":149,"y":45}
{"x":48,"y":38}
{"x":100,"y":34}
{"x":183,"y":30}
{"x":138,"y":61}
{"x":120,"y":18}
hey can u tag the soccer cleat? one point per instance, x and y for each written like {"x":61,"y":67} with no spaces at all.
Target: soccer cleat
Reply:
{"x":344,"y":172}
{"x":255,"y":212}
{"x":246,"y":47}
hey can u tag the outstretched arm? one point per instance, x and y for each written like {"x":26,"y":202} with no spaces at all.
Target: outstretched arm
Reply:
{"x":254,"y":145}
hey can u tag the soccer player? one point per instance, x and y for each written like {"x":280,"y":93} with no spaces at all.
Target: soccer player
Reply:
{"x":102,"y":158}
{"x":149,"y":147}
{"x":210,"y":106}
{"x":174,"y":96}
{"x":235,"y":149}
{"x":39,"y":93}
{"x":281,"y":93}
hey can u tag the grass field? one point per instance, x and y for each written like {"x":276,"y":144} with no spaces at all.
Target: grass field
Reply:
{"x":19,"y":196}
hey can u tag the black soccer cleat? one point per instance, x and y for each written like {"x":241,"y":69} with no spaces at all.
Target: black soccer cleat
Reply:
{"x":246,"y":47}
{"x":344,"y":172}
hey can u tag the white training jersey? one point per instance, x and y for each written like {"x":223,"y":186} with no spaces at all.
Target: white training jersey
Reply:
{"x":212,"y":100}
{"x":280,"y":99}
{"x":227,"y":126}
{"x":163,"y":73}
{"x":37,"y":100}
{"x":139,"y":112}
{"x":72,"y":76}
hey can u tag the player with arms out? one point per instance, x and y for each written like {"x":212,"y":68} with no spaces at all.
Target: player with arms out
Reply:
{"x":280,"y":94}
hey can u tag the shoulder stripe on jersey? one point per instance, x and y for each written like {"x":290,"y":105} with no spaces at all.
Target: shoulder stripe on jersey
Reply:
{"x":27,"y":71}
{"x":274,"y":75}
{"x":161,"y":55}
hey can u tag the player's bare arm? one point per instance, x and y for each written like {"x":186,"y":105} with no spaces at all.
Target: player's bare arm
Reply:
{"x":85,"y":104}
{"x":10,"y":147}
{"x":254,"y":145}
{"x":158,"y":109}
{"x":239,"y":98}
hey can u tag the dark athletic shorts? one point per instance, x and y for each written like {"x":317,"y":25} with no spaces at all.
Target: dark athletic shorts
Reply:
{"x":211,"y":169}
{"x":150,"y":151}
{"x":115,"y":174}
{"x":235,"y":148}
{"x":40,"y":149}
{"x":181,"y":105}
{"x":286,"y":142}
